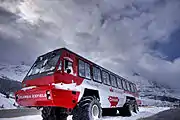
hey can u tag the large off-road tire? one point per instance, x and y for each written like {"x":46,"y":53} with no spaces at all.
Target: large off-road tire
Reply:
{"x":53,"y":113}
{"x":89,"y":108}
{"x":109,"y":112}
{"x":135,"y":108}
{"x":127,"y":110}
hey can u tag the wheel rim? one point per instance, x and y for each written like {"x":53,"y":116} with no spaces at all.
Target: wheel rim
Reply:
{"x":95,"y":112}
{"x":136,"y":108}
{"x":130,"y":108}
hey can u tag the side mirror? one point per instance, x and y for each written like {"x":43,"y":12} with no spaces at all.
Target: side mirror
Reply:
{"x":68,"y":71}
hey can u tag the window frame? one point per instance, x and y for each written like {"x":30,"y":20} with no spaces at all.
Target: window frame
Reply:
{"x":108,"y":76}
{"x":124,"y":80}
{"x":84,"y":69}
{"x":93,"y":74}
{"x":135,"y":88}
{"x":120,"y":79}
{"x":128,"y":86}
{"x":114,"y":79}
{"x":79,"y":69}
{"x":85,"y":63}
{"x":132,"y":88}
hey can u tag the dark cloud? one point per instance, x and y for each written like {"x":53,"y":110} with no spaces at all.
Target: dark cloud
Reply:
{"x":171,"y":48}
{"x":21,"y":41}
{"x":6,"y":16}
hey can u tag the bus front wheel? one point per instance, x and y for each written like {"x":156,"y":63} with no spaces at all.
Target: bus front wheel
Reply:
{"x":88,"y":108}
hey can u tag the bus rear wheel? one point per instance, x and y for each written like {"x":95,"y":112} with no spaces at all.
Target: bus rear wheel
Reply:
{"x":127,"y":110}
{"x":88,"y":108}
{"x":135,"y":108}
{"x":54,"y":113}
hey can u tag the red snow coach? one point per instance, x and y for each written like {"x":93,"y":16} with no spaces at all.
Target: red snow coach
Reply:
{"x":64,"y":83}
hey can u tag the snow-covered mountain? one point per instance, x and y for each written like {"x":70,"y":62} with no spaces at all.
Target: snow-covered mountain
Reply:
{"x":153,"y":92}
{"x":151,"y":88}
{"x":13,"y":72}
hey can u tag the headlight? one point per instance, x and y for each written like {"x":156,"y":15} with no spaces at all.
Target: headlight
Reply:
{"x":48,"y":92}
{"x":48,"y":95}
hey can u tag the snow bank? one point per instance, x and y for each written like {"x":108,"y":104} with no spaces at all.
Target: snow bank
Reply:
{"x":143,"y":113}
{"x":7,"y":103}
{"x":34,"y":117}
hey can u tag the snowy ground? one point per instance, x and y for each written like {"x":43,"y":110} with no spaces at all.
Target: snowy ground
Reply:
{"x":7,"y":103}
{"x":144,"y":112}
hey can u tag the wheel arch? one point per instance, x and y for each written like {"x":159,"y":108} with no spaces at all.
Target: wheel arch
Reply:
{"x":91,"y":92}
{"x":130,"y":99}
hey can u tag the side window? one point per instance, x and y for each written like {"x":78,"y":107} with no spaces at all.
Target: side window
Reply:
{"x":84,"y":69}
{"x":97,"y":74}
{"x":128,"y":86}
{"x":135,"y":89}
{"x":119,"y":83}
{"x":113,"y":80}
{"x":105,"y":77}
{"x":132,"y":88}
{"x":87,"y":71}
{"x":124,"y":84}
{"x":81,"y":68}
{"x":68,"y":68}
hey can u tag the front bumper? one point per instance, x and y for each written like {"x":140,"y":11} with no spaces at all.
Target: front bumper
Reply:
{"x":38,"y":97}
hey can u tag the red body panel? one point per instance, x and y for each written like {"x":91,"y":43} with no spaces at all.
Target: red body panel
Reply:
{"x":37,"y":97}
{"x":41,"y":81}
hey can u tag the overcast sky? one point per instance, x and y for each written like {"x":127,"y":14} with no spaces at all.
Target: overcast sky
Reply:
{"x":125,"y":36}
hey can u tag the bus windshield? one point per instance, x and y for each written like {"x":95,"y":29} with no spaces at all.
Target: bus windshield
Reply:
{"x":43,"y":64}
